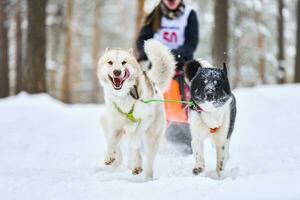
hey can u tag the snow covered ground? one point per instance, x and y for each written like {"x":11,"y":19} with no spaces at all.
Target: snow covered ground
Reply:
{"x":49,"y":150}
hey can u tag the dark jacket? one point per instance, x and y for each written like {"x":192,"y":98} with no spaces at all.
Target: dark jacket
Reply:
{"x":184,"y":52}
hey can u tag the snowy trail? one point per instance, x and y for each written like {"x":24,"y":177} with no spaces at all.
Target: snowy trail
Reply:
{"x":52,"y":151}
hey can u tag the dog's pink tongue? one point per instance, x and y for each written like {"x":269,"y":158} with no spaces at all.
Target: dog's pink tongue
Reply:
{"x":127,"y":74}
{"x":117,"y":82}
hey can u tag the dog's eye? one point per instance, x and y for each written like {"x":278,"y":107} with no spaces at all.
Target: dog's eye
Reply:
{"x":205,"y":81}
{"x":124,"y":62}
{"x":110,"y":62}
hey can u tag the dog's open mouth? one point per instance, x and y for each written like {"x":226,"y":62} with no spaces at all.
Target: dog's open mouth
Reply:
{"x":118,"y":81}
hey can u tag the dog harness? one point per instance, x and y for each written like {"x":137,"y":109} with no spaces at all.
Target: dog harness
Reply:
{"x":128,"y":115}
{"x":192,"y":105}
{"x":135,"y":95}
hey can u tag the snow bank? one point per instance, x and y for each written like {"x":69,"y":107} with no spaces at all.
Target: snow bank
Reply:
{"x":49,"y":150}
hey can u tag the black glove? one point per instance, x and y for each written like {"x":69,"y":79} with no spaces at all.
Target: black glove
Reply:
{"x":179,"y":59}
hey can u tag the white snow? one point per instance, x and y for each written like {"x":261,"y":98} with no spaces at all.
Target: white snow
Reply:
{"x":49,"y":150}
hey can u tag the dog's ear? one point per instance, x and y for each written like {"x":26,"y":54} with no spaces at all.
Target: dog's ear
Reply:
{"x":226,"y":84}
{"x":224,"y":69}
{"x":191,"y":68}
{"x":107,"y":49}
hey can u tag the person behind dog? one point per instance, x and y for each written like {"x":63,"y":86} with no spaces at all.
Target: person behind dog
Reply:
{"x":175,"y":25}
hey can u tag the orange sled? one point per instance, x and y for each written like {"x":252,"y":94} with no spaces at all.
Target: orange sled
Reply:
{"x":178,"y":131}
{"x":175,"y":112}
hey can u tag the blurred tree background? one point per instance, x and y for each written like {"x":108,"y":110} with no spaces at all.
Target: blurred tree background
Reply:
{"x":53,"y":46}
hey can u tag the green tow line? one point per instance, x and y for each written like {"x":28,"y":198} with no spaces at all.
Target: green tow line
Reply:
{"x":133,"y":119}
{"x":190,"y":103}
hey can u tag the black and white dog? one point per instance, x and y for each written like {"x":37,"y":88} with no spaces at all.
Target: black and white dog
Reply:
{"x":214,"y":111}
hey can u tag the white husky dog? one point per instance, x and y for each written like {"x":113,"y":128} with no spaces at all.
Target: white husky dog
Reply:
{"x":126,"y":85}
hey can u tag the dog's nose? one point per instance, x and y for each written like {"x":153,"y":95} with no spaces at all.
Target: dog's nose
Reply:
{"x":209,"y":96}
{"x":117,"y":72}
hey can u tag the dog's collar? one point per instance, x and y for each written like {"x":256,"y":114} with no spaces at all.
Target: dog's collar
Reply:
{"x":194,"y":106}
{"x":129,"y":115}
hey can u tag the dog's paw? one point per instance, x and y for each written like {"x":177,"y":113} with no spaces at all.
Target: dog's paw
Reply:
{"x":109,"y":161}
{"x":197,"y":170}
{"x":137,"y":170}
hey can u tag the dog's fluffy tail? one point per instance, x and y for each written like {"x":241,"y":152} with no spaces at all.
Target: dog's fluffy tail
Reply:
{"x":163,"y":63}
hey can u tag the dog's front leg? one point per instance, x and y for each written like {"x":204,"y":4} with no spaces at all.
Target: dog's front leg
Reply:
{"x":113,"y":153}
{"x":152,"y":141}
{"x":135,"y":154}
{"x":137,"y":161}
{"x":222,"y":148}
{"x":152,"y":137}
{"x":152,"y":144}
{"x":199,"y":132}
{"x":198,"y":152}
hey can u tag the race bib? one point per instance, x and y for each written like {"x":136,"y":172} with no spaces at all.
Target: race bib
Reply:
{"x":172,"y":32}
